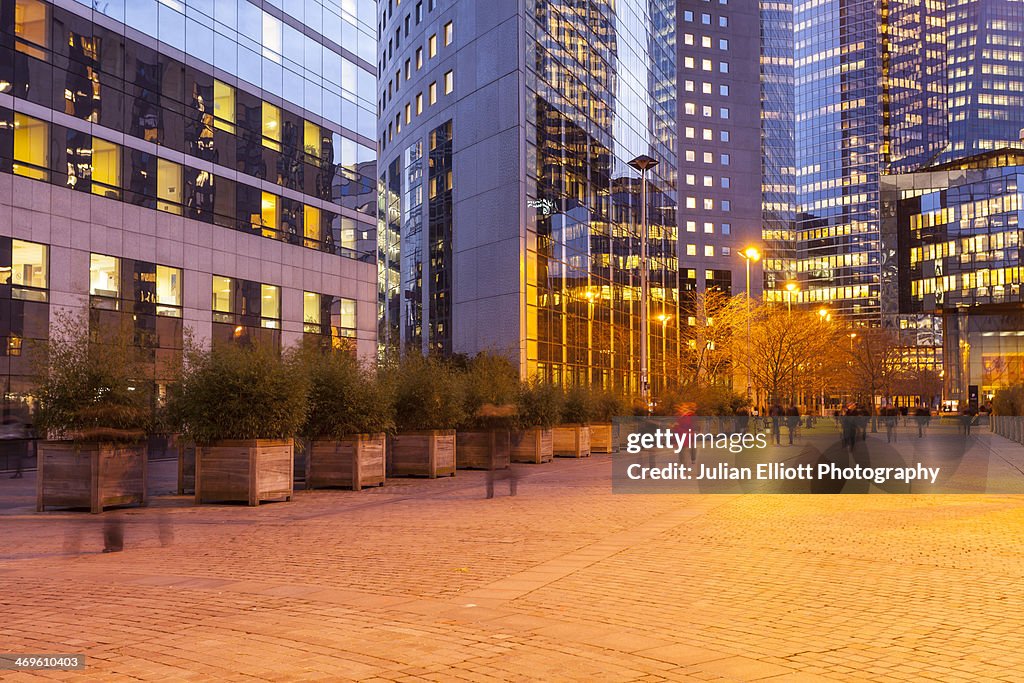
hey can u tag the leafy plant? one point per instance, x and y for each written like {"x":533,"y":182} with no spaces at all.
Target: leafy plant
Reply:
{"x":579,"y":405}
{"x":539,"y":404}
{"x":1009,"y":401}
{"x":92,"y":389}
{"x":608,"y":405}
{"x":490,"y":386}
{"x":345,"y":398}
{"x":428,"y":393}
{"x":240,"y":392}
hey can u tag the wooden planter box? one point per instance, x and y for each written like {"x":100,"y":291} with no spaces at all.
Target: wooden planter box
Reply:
{"x":250,"y":471}
{"x":186,"y":469}
{"x":571,"y":441}
{"x":533,"y":445}
{"x":601,"y":440}
{"x":353,"y":462}
{"x":483,"y":450}
{"x":422,"y":454}
{"x":91,"y":476}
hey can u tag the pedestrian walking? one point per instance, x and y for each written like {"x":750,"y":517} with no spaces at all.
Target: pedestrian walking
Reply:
{"x":509,"y":474}
{"x":776,"y":413}
{"x":922,"y":416}
{"x":792,"y":421}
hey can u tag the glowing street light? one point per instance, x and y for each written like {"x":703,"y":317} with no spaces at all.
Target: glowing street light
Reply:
{"x":791,"y":288}
{"x":749,"y":254}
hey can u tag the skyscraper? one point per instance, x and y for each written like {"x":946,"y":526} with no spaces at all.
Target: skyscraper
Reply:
{"x":510,"y":216}
{"x":868,"y":88}
{"x":178,"y":165}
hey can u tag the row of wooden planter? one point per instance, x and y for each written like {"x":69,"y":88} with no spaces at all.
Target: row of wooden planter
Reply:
{"x":100,"y":476}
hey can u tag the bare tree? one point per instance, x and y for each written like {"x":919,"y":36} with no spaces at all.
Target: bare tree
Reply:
{"x":875,"y":363}
{"x":713,"y":324}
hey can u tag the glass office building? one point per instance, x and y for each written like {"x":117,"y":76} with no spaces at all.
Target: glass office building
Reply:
{"x":509,"y":213}
{"x":957,"y":232}
{"x":180,"y":165}
{"x":986,"y":76}
{"x":869,"y":86}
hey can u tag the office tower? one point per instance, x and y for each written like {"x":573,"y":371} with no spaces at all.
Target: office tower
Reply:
{"x":778,"y":149}
{"x":986,"y":76}
{"x":720,"y":143}
{"x":510,"y":214}
{"x":178,"y":165}
{"x":869,"y":86}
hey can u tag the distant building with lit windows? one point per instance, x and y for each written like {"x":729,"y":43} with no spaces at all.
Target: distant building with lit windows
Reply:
{"x":509,"y":213}
{"x":180,"y":165}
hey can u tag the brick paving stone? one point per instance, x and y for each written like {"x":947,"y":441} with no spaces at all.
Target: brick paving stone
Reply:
{"x":567,"y":581}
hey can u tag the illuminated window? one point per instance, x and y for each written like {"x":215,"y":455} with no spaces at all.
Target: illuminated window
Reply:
{"x":691,"y":249}
{"x":269,"y":218}
{"x":311,"y":317}
{"x":223,"y":106}
{"x":419,"y":104}
{"x":346,"y":321}
{"x":433,"y":92}
{"x":223,"y":302}
{"x":449,"y":82}
{"x":271,"y":126}
{"x":448,"y":33}
{"x":270,"y":306}
{"x":168,"y":289}
{"x":168,"y":186}
{"x":419,"y":58}
{"x":28,"y":269}
{"x":709,"y":250}
{"x":106,"y":168}
{"x":311,"y":226}
{"x":432,"y":46}
{"x":408,"y":113}
{"x":104,"y":276}
{"x":31,"y":147}
{"x":31,"y":28}
{"x":311,"y":142}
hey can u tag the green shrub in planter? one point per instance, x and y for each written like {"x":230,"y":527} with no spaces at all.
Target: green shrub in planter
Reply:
{"x":345,"y":398}
{"x":608,"y":405}
{"x":490,"y":387}
{"x":242,"y":406}
{"x":349,"y":413}
{"x":95,"y":402}
{"x":428,"y":394}
{"x":578,"y":406}
{"x":539,"y":404}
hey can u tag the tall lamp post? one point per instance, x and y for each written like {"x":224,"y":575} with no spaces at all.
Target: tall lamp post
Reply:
{"x":791,"y":288}
{"x":643,"y":164}
{"x":664,"y":318}
{"x":749,"y":254}
{"x":825,"y":317}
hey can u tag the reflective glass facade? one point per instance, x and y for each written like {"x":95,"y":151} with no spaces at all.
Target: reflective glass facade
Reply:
{"x":957,"y":235}
{"x":986,"y":75}
{"x":156,"y":146}
{"x":778,"y":148}
{"x":509,"y":212}
{"x":868,"y":82}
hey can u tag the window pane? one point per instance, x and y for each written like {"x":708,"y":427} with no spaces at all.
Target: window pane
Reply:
{"x":168,"y":286}
{"x":106,"y":168}
{"x":271,"y":126}
{"x":311,"y":311}
{"x":222,"y":299}
{"x":269,"y":215}
{"x":224,"y":106}
{"x":168,"y":186}
{"x":104,"y":278}
{"x":311,"y":226}
{"x":31,"y":147}
{"x":311,"y":142}
{"x":28,"y":264}
{"x":30,"y":26}
{"x":347,"y":317}
{"x":271,"y":302}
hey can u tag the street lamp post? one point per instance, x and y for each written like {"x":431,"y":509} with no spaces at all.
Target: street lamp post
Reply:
{"x":791,"y":289}
{"x":643,"y":164}
{"x":749,"y":254}
{"x":826,"y":317}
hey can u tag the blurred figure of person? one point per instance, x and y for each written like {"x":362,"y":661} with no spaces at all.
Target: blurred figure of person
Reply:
{"x":967,"y":419}
{"x":113,"y":534}
{"x":13,"y":433}
{"x":850,"y":427}
{"x":792,"y":421}
{"x":510,"y":474}
{"x":685,"y":422}
{"x":922,"y":416}
{"x":742,"y":420}
{"x":890,"y":415}
{"x":776,"y":413}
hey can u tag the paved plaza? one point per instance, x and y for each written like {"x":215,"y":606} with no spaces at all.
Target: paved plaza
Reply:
{"x":429,"y":580}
